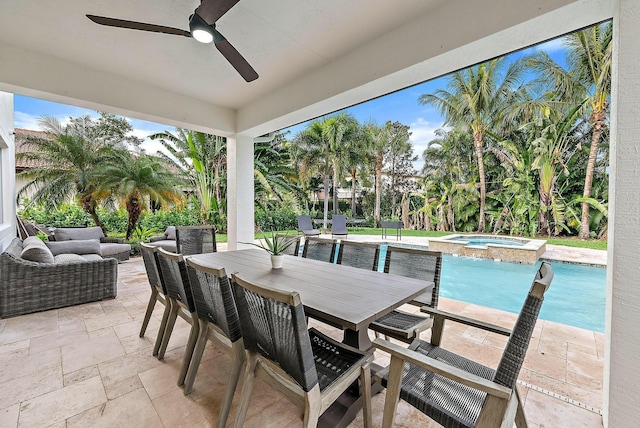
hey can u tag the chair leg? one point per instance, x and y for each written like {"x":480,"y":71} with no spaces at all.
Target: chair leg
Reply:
{"x":393,"y":392}
{"x":365,"y":393}
{"x":147,"y":316}
{"x":247,"y":388}
{"x":191,"y":344}
{"x":168,"y":329}
{"x":238,"y":362}
{"x":521,"y":420}
{"x":163,"y":325}
{"x":312,"y":405}
{"x":201,"y":343}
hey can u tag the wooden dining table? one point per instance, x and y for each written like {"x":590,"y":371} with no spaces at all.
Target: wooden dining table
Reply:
{"x":344,"y":297}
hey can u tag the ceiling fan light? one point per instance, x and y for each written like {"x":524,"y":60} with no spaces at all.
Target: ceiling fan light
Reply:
{"x":200,"y":30}
{"x":202,"y":36}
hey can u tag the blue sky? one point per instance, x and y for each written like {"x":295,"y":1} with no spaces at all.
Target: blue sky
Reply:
{"x":400,"y":106}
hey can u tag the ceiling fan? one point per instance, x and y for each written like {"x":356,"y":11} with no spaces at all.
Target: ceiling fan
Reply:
{"x":202,"y":26}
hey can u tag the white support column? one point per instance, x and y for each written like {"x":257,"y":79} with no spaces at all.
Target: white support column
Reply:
{"x":240,"y":211}
{"x":622,"y":343}
{"x":7,"y":172}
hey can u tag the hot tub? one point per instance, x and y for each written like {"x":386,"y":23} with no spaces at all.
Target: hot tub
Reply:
{"x":507,"y":248}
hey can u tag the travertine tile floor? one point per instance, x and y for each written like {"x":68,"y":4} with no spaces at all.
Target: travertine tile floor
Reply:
{"x":85,"y":366}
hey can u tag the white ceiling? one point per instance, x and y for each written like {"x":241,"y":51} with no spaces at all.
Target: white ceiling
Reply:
{"x":308,"y":53}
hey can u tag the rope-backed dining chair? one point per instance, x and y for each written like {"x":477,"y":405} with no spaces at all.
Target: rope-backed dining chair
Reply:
{"x":219,"y":324}
{"x":294,"y":248}
{"x":411,"y":263}
{"x":455,"y":391}
{"x":307,"y":367}
{"x":319,"y":249}
{"x":363,"y":255}
{"x":196,"y":240}
{"x":173,"y":271}
{"x":157,"y":291}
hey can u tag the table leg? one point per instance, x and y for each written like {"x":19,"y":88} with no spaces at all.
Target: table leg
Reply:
{"x":358,"y":339}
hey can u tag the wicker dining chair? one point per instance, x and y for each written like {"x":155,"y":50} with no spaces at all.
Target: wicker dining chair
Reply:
{"x":173,"y":272}
{"x":294,"y":248}
{"x":196,"y":240}
{"x":319,"y":249}
{"x":219,"y":324}
{"x":455,"y":391}
{"x":363,"y":255}
{"x":307,"y":367}
{"x":412,"y":263}
{"x":158,"y":293}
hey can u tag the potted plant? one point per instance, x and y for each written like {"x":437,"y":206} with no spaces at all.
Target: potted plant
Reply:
{"x":275,"y":245}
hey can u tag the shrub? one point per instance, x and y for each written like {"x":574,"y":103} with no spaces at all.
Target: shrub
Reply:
{"x":114,"y":221}
{"x":64,"y":216}
{"x":276,"y":219}
{"x":160,"y":220}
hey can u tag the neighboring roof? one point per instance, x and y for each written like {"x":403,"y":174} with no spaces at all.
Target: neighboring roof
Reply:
{"x":21,"y":137}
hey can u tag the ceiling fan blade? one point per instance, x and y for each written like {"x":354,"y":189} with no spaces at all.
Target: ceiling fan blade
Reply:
{"x":212,"y":10}
{"x":235,"y":59}
{"x":121,"y":23}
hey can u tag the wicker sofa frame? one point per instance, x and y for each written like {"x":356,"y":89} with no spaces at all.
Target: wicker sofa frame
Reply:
{"x":27,"y":286}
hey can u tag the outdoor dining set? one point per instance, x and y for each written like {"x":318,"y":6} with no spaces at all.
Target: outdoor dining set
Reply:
{"x":259,"y":316}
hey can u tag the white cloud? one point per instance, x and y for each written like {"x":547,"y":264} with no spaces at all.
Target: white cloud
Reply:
{"x":422,"y":132}
{"x":29,"y":121}
{"x":25,"y":121}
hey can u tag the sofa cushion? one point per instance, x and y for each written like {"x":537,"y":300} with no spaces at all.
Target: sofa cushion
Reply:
{"x":166,"y":244}
{"x":91,"y":257}
{"x":170,"y":232}
{"x":70,"y":233}
{"x":80,"y":246}
{"x":68,"y":258}
{"x":108,"y":250}
{"x":35,"y":250}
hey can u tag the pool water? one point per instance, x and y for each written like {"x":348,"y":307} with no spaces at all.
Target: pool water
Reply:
{"x":484,"y":241}
{"x":576,"y":296}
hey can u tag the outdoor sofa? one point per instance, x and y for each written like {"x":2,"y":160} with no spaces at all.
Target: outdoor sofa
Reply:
{"x":167,"y":241}
{"x":35,"y":277}
{"x":109,"y":247}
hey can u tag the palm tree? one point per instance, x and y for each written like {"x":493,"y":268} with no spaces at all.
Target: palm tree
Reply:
{"x":379,"y":141}
{"x":321,"y":150}
{"x":339,"y":130}
{"x":133,"y":179}
{"x":478,"y":97}
{"x":66,"y":166}
{"x":202,"y":160}
{"x":359,"y":158}
{"x":275,"y":178}
{"x":586,"y":82}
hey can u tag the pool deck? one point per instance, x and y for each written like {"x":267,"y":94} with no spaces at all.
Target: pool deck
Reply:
{"x":86,"y":366}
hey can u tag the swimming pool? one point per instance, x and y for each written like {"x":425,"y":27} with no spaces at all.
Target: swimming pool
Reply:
{"x":576,"y":296}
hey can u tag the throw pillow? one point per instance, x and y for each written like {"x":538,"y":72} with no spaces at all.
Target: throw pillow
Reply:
{"x":37,"y":252}
{"x":171,"y":232}
{"x":78,"y":246}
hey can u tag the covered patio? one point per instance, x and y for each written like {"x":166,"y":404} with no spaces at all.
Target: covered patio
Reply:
{"x":313,"y":58}
{"x":86,"y":366}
